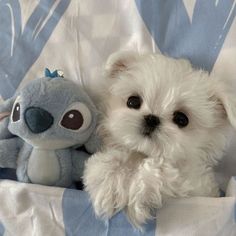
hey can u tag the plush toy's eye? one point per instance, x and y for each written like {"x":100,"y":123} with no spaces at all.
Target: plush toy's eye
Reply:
{"x":73,"y":119}
{"x":77,"y":117}
{"x":134,"y":102}
{"x":180,"y":119}
{"x":16,"y":112}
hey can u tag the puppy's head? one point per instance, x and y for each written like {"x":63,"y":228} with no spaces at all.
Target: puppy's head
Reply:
{"x":161,"y":104}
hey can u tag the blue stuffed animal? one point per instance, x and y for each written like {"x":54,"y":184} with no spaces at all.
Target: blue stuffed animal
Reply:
{"x":49,"y":117}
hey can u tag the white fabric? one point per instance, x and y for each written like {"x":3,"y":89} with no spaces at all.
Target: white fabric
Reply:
{"x":28,"y":209}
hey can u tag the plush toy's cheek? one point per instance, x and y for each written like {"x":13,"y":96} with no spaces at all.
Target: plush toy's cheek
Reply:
{"x":37,"y":119}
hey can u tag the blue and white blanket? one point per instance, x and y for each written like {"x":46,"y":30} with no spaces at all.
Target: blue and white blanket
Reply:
{"x":28,"y":209}
{"x":77,"y":37}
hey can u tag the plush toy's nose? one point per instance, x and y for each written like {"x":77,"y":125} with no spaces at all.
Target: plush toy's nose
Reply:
{"x":37,"y":119}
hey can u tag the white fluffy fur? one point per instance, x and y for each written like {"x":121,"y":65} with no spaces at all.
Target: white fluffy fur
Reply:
{"x":139,"y":173}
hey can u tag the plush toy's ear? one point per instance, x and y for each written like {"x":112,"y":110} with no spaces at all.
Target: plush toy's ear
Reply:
{"x":5,"y":108}
{"x":5,"y":111}
{"x":225,"y":93}
{"x":120,"y":62}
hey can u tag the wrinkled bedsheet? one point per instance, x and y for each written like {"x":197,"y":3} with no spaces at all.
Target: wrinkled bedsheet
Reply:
{"x":77,"y":37}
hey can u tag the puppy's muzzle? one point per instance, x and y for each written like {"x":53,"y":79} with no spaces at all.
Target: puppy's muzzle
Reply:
{"x":151,"y":122}
{"x":37,"y":119}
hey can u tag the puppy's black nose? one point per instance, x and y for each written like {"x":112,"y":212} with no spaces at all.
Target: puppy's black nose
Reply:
{"x":37,"y":119}
{"x":151,"y":121}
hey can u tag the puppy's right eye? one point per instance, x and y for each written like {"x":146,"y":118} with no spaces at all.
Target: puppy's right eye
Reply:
{"x":180,"y":119}
{"x":134,"y":102}
{"x":16,"y":113}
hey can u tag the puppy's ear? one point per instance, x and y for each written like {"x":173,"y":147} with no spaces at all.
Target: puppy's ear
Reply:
{"x":225,"y":93}
{"x":120,"y":62}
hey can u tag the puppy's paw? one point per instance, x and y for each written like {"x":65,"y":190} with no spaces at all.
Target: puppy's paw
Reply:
{"x":106,"y":185}
{"x":143,"y":202}
{"x":139,"y":213}
{"x":104,"y":199}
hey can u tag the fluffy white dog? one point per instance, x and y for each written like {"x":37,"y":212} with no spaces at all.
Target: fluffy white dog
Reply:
{"x":165,"y":127}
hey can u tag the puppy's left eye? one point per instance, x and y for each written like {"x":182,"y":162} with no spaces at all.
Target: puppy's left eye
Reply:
{"x":180,"y":119}
{"x":134,"y":102}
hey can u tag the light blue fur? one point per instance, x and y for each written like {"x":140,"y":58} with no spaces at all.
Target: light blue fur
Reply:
{"x":21,"y":147}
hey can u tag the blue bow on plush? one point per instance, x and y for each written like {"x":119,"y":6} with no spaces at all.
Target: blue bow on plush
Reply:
{"x":55,"y":73}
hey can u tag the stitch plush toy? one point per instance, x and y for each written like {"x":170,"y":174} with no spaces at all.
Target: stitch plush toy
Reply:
{"x":48,"y":118}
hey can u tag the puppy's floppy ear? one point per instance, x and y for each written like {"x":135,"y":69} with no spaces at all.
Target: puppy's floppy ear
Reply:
{"x":120,"y":62}
{"x":225,"y":93}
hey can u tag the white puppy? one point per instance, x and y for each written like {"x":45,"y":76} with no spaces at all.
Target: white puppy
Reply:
{"x":165,"y":127}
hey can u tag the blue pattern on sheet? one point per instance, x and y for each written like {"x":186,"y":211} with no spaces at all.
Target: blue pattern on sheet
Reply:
{"x":235,"y":210}
{"x":20,"y":47}
{"x":2,"y":229}
{"x":235,"y":203}
{"x":200,"y":39}
{"x":79,"y":219}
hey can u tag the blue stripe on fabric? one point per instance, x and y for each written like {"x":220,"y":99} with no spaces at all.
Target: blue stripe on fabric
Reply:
{"x":79,"y":219}
{"x":200,"y":39}
{"x":78,"y":215}
{"x":20,"y":50}
{"x":2,"y":229}
{"x":235,"y":211}
{"x":235,"y":203}
{"x":119,"y":225}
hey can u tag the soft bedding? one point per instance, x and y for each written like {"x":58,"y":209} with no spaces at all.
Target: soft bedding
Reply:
{"x":77,"y":37}
{"x":28,"y":209}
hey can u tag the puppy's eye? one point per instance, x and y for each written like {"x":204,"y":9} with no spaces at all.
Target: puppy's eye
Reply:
{"x":180,"y":119}
{"x":134,"y":102}
{"x":16,"y":113}
{"x":73,"y":119}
